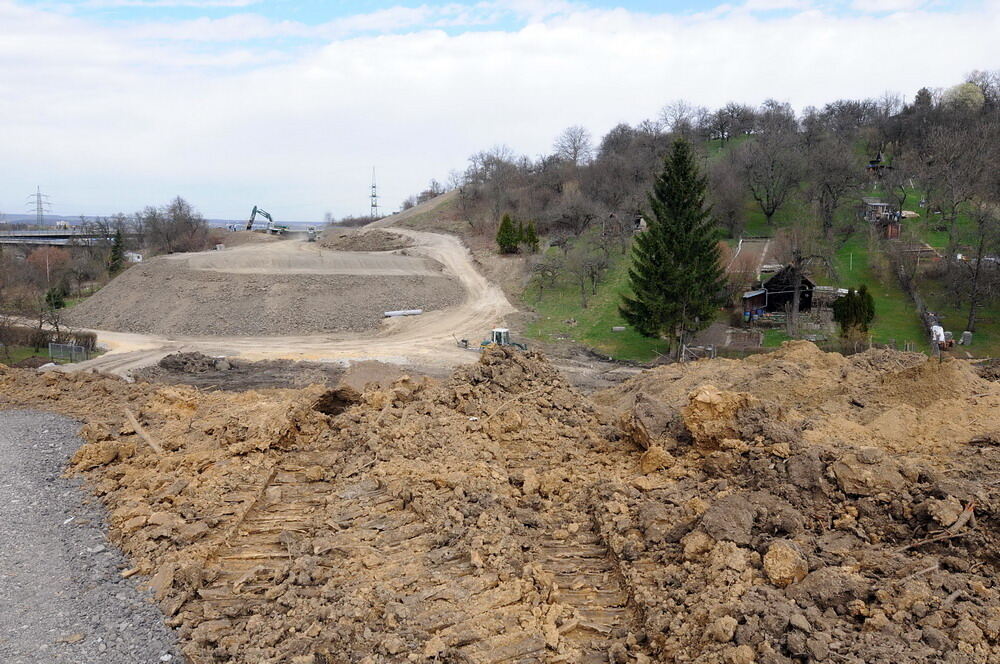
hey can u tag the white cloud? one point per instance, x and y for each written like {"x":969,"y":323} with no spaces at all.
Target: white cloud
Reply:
{"x":105,"y":119}
{"x":881,"y":6}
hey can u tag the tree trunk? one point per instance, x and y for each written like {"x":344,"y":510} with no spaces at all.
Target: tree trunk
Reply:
{"x":796,"y":298}
{"x":974,"y":295}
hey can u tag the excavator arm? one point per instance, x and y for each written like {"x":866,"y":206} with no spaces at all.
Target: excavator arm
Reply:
{"x":253,"y":215}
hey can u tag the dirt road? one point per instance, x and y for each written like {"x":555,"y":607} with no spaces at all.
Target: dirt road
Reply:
{"x":427,"y":340}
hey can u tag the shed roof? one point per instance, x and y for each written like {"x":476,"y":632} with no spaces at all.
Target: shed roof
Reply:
{"x":753,"y":293}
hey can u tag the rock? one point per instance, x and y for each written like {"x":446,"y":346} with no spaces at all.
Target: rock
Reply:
{"x":315,"y":474}
{"x":434,"y":647}
{"x":723,"y":630}
{"x":870,"y":455}
{"x":645,"y":424}
{"x":784,"y":564}
{"x":696,"y":544}
{"x":393,"y":645}
{"x":799,"y":621}
{"x":935,"y":638}
{"x":967,"y":631}
{"x":829,"y":587}
{"x":805,"y":470}
{"x":740,"y":655}
{"x":531,"y":483}
{"x":858,"y":478}
{"x":730,"y":518}
{"x":945,"y":512}
{"x":654,"y":459}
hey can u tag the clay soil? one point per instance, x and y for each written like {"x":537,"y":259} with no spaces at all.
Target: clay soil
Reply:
{"x":279,"y":288}
{"x":364,"y":240}
{"x":796,"y":507}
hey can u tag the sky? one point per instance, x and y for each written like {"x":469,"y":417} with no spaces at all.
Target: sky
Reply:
{"x":112,"y":105}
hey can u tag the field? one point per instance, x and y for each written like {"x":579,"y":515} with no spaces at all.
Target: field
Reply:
{"x":593,"y":324}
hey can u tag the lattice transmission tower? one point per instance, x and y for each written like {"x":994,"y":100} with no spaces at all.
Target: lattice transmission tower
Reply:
{"x":39,"y":202}
{"x":374,"y":196}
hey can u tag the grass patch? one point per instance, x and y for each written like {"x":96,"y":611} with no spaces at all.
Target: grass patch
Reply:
{"x":896,"y":317}
{"x":19,"y":353}
{"x":593,"y":324}
{"x":775,"y":337}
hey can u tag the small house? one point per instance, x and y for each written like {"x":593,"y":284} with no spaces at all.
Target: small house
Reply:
{"x":883,"y":216}
{"x":754,"y":304}
{"x":781,"y":291}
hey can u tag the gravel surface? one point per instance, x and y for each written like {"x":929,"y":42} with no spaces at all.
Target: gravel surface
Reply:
{"x":161,"y":298}
{"x":62,"y":598}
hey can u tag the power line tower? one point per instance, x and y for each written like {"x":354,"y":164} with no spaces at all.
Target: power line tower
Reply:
{"x":40,"y":203}
{"x":374,"y":197}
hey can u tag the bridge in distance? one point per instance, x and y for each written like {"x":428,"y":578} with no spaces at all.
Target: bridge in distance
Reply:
{"x":54,"y":236}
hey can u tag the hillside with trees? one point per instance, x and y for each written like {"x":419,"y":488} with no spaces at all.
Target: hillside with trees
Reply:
{"x":806,"y":180}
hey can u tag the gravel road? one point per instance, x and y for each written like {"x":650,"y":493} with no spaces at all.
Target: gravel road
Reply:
{"x":62,"y":598}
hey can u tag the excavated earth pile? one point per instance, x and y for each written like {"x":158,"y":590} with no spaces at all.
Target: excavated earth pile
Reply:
{"x":364,"y":240}
{"x":236,"y":374}
{"x":160,"y":297}
{"x":499,"y":516}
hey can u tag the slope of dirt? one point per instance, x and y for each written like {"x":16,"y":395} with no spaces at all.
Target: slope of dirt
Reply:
{"x":363,"y":240}
{"x":499,"y":516}
{"x":164,"y":297}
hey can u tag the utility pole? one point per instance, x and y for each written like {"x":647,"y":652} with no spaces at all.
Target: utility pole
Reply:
{"x":41,"y":205}
{"x":374,"y":197}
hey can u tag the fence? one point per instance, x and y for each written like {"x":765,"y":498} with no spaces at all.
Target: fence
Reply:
{"x":32,"y":337}
{"x":68,"y":352}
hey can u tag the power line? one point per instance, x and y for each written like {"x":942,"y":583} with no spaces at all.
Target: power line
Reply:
{"x":374,"y":197}
{"x":40,"y":203}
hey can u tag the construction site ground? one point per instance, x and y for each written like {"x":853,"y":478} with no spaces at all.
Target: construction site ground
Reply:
{"x":793,"y":507}
{"x":274,"y":288}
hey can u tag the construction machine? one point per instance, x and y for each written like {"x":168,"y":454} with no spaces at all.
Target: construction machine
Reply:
{"x":500,"y":336}
{"x":253,"y":215}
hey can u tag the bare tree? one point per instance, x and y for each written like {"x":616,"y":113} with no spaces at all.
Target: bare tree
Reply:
{"x":987,"y":232}
{"x":681,"y":117}
{"x":834,"y":173}
{"x":954,"y":164}
{"x":798,"y":248}
{"x":727,"y":194}
{"x":575,"y":145}
{"x":586,"y":261}
{"x":771,"y":170}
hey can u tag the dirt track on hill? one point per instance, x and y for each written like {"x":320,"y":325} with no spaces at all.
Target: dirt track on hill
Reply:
{"x":428,"y":339}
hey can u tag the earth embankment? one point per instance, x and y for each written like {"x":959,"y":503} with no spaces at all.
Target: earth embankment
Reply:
{"x":266,"y":289}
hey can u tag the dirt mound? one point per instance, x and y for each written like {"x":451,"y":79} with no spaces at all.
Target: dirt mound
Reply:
{"x":31,"y":362}
{"x":499,"y":516}
{"x":240,"y":238}
{"x":364,"y":240}
{"x":990,"y":370}
{"x":163,"y":297}
{"x":900,"y":401}
{"x":238,"y":375}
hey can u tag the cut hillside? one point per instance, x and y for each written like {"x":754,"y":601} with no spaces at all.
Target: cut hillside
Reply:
{"x":265,"y":289}
{"x":499,"y":516}
{"x":440,"y":215}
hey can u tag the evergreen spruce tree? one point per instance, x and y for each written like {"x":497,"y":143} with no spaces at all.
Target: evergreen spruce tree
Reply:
{"x":116,"y":261}
{"x":867,"y":306}
{"x":507,"y":238}
{"x":531,"y":237}
{"x":675,"y":278}
{"x":854,"y":311}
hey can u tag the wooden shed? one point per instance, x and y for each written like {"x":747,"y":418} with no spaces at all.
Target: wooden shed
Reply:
{"x":780,"y":291}
{"x":754,"y":304}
